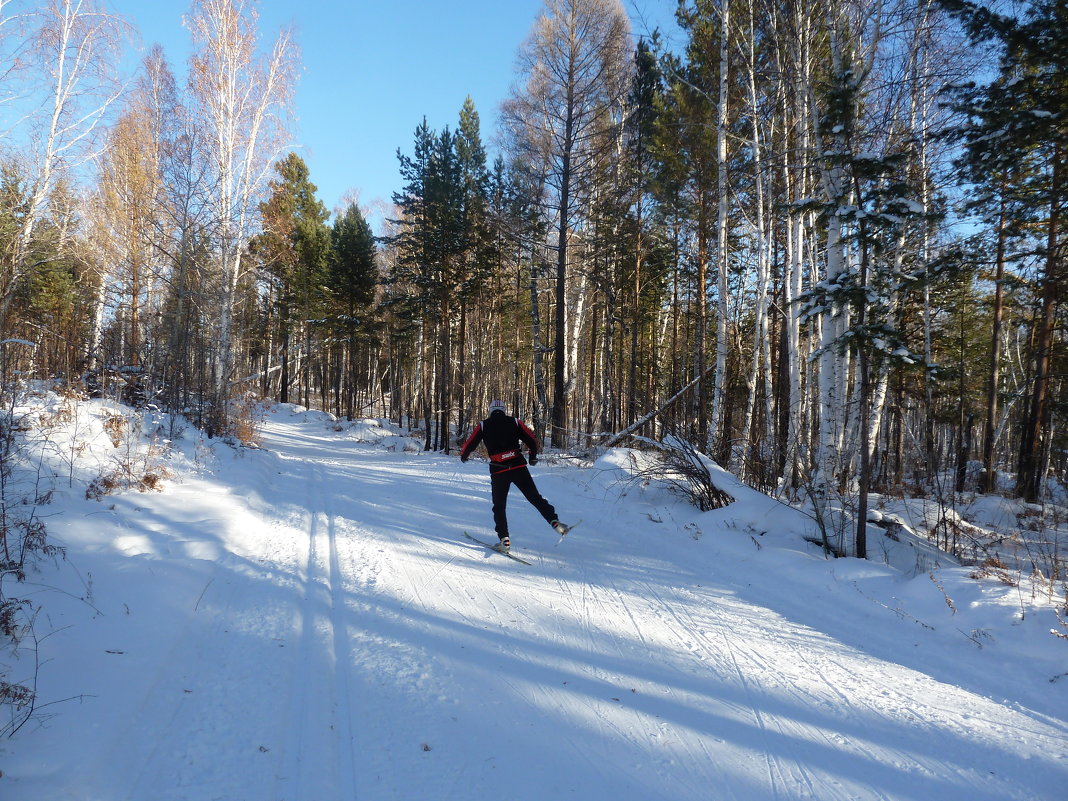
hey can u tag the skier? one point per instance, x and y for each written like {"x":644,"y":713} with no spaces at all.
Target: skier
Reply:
{"x":501,"y":435}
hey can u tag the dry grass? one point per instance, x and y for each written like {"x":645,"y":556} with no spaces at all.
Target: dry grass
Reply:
{"x":117,"y":428}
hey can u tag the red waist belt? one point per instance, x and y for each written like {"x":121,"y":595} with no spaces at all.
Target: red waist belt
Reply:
{"x":503,"y":457}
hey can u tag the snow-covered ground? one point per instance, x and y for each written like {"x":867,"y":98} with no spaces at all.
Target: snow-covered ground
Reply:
{"x":307,"y":622}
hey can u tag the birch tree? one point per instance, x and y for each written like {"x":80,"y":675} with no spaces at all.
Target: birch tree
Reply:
{"x":182,"y":237}
{"x":242,"y":97}
{"x":12,"y":57}
{"x":72,"y":50}
{"x":127,"y":213}
{"x":854,"y":33}
{"x":794,"y":55}
{"x":719,"y":394}
{"x":744,"y":455}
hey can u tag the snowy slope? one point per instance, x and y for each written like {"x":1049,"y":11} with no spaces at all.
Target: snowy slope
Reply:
{"x":307,"y":622}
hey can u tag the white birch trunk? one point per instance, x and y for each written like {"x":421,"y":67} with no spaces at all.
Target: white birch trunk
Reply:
{"x":831,"y":391}
{"x":96,"y":329}
{"x":878,"y":409}
{"x":577,"y":305}
{"x":741,"y":455}
{"x":834,"y":368}
{"x":796,"y":190}
{"x":721,"y":231}
{"x":832,"y":387}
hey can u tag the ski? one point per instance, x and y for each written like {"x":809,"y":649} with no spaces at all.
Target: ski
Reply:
{"x":502,"y":553}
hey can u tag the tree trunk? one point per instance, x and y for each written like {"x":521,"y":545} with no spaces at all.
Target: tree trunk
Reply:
{"x":1030,"y":474}
{"x":988,"y":482}
{"x":864,"y":438}
{"x":720,"y":391}
{"x":557,"y":433}
{"x":745,"y":459}
{"x":539,"y":370}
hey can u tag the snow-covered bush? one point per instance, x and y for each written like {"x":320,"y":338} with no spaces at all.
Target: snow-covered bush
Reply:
{"x":687,"y":473}
{"x":134,"y":464}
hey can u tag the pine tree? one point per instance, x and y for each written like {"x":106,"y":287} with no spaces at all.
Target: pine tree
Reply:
{"x":1015,"y":146}
{"x":432,"y":243}
{"x":699,"y":85}
{"x":352,"y":280}
{"x":293,"y":248}
{"x":646,"y":89}
{"x":477,"y":241}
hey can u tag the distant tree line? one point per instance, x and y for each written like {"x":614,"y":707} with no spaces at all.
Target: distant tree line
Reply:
{"x":807,"y":241}
{"x":802,"y":237}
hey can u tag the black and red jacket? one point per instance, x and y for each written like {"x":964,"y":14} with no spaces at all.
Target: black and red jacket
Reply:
{"x":502,"y":436}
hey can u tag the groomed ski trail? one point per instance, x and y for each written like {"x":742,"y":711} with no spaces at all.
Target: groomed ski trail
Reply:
{"x":600,"y":673}
{"x":357,"y":646}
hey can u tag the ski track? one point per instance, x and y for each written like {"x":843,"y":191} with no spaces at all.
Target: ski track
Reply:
{"x":696,"y":688}
{"x":320,"y":694}
{"x":199,"y":734}
{"x":368,"y":651}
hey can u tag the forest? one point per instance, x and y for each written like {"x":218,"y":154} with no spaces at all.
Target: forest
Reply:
{"x":820,"y":242}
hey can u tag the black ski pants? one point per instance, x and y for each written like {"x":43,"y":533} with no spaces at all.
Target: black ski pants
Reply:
{"x":501,"y":482}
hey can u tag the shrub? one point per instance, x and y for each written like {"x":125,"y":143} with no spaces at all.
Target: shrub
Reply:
{"x":117,"y":427}
{"x":140,"y":471}
{"x":245,"y":419}
{"x":688,"y":473}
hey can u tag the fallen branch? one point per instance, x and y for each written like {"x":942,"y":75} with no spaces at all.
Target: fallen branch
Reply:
{"x":615,"y":438}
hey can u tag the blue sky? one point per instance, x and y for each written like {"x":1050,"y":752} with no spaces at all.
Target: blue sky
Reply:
{"x":374,"y":68}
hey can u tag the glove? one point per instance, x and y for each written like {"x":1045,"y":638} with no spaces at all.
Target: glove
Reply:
{"x":533,"y":458}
